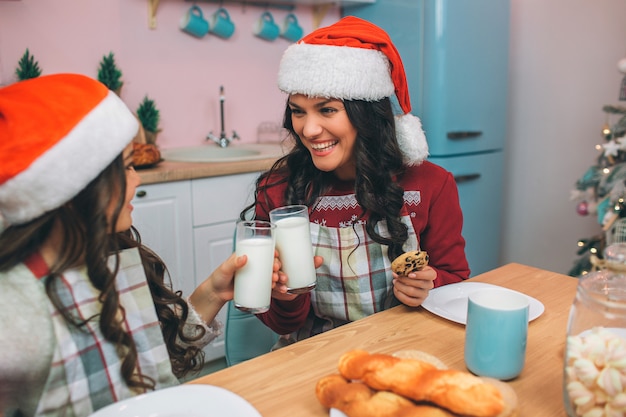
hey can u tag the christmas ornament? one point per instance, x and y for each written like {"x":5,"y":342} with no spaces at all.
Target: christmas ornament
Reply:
{"x":582,"y":208}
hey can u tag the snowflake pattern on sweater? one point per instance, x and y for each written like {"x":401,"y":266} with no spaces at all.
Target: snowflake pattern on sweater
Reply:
{"x":344,"y":208}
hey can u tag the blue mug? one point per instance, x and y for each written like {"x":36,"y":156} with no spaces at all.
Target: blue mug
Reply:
{"x":194,"y":23}
{"x":291,"y":30}
{"x":266,"y":28}
{"x":221,"y":25}
{"x":496,"y":333}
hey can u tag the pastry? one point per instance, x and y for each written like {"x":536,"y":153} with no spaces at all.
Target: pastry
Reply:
{"x":145,"y":154}
{"x":356,"y":399}
{"x":409,"y":262}
{"x":457,"y":391}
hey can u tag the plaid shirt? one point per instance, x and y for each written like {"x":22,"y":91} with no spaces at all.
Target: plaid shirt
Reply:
{"x":85,"y":371}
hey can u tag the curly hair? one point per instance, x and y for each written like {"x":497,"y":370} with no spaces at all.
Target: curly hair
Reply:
{"x":378,"y":162}
{"x":89,"y":239}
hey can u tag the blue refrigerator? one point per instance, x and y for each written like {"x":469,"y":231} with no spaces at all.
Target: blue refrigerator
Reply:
{"x":455,"y":54}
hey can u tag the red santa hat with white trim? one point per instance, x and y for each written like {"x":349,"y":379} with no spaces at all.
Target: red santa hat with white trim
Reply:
{"x":354,"y":59}
{"x":57,"y":133}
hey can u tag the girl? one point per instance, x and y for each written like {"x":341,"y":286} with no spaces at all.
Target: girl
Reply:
{"x":362,"y":172}
{"x":87,"y":315}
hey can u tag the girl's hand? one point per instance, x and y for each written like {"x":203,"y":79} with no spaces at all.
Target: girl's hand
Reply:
{"x":279,"y":286}
{"x":413,"y":289}
{"x":217,"y":289}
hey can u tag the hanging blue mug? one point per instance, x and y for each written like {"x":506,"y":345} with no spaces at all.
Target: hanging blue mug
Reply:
{"x":221,"y":25}
{"x":194,"y":23}
{"x":266,"y":28}
{"x":291,"y":30}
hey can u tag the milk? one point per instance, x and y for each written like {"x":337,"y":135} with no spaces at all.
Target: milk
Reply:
{"x":253,"y":282}
{"x":293,"y":241}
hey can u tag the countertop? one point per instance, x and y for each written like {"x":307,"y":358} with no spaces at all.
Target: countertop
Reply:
{"x":167,"y":171}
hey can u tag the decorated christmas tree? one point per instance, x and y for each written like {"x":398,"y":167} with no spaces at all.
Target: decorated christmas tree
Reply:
{"x":601,"y":191}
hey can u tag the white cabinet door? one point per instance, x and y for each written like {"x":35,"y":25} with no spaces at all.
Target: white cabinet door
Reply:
{"x":162,"y":215}
{"x":213,"y":245}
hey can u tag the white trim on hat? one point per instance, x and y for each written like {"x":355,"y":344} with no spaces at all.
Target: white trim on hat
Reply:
{"x":70,"y":165}
{"x":340,"y":72}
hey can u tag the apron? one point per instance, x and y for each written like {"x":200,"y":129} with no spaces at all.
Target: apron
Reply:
{"x":355,"y":279}
{"x":85,"y":371}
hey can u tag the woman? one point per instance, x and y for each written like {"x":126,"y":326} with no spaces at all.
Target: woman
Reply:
{"x":88,"y":316}
{"x":362,"y":173}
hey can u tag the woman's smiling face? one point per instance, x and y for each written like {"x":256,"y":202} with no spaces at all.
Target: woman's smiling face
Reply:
{"x":326,"y":131}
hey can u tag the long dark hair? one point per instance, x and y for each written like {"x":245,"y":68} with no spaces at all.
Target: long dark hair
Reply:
{"x":378,"y":163}
{"x":89,"y":239}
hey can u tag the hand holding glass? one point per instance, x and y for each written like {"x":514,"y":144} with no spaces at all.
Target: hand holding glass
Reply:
{"x":295,"y":250}
{"x":253,"y":282}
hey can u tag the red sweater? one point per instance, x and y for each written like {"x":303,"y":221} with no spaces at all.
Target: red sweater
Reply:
{"x":436,"y":216}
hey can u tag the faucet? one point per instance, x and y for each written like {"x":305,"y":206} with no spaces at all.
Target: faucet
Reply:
{"x":223,"y":141}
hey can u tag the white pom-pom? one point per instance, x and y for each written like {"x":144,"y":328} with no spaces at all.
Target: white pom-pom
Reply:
{"x":621,"y":65}
{"x":411,"y":139}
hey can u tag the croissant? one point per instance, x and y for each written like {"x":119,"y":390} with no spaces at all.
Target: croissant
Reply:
{"x":457,"y":391}
{"x":145,"y":154}
{"x":356,"y":399}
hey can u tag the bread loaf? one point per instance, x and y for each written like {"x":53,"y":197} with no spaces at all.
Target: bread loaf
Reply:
{"x":460,"y":392}
{"x":356,"y":399}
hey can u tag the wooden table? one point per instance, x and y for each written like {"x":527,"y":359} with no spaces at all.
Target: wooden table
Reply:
{"x":282,"y":383}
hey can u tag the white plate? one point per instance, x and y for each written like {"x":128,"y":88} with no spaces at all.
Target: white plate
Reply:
{"x":182,"y":401}
{"x":450,"y":301}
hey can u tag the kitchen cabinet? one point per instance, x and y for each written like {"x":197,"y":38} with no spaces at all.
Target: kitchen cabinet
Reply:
{"x":162,"y":215}
{"x":191,"y":224}
{"x":217,"y":202}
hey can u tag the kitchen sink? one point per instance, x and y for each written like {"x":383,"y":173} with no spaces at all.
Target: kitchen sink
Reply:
{"x":213,"y":153}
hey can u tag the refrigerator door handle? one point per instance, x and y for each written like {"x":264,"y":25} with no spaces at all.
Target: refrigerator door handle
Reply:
{"x":464,"y":134}
{"x":466,"y":178}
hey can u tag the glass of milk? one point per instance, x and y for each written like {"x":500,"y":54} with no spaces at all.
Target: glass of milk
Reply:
{"x":253,"y":282}
{"x":295,"y":250}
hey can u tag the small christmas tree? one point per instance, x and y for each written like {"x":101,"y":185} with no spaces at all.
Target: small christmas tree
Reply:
{"x":27,"y":67}
{"x":149,"y":116}
{"x":109,"y":74}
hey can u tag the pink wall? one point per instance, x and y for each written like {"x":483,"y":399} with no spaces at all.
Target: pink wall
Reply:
{"x":181,"y":73}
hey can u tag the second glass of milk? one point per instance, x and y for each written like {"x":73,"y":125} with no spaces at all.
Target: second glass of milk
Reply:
{"x":295,"y":250}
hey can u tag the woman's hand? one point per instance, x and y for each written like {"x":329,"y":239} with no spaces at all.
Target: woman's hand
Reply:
{"x":279,"y":287}
{"x":413,"y":289}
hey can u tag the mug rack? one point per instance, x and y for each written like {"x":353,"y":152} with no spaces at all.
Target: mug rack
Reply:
{"x":320,"y":7}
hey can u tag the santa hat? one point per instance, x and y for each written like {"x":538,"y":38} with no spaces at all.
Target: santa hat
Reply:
{"x":57,"y":133}
{"x":354,"y":59}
